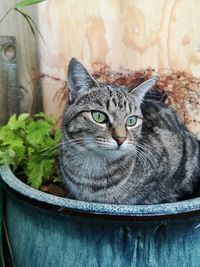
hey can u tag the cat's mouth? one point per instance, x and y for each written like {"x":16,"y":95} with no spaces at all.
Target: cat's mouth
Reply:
{"x":113,"y":148}
{"x":112,"y":145}
{"x":103,"y":146}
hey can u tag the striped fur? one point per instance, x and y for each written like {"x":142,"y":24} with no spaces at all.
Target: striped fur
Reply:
{"x":158,"y":162}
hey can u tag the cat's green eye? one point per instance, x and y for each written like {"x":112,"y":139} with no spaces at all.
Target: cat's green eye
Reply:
{"x":131,"y":121}
{"x":99,"y":117}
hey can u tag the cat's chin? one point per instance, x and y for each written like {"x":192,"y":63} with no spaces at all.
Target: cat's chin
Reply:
{"x":112,"y":151}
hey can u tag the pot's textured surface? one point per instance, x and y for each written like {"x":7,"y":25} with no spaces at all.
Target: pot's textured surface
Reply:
{"x":161,"y":236}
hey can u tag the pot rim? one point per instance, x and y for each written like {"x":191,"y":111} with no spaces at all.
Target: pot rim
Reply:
{"x":185,"y":207}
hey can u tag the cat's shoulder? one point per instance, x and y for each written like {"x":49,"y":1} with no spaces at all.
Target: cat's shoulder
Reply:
{"x":158,"y":114}
{"x":156,"y":111}
{"x":155,"y":107}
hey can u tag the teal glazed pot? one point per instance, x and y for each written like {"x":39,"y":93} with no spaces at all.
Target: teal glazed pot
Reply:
{"x":50,"y":231}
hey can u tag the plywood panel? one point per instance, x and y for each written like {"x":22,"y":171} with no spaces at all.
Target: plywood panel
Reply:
{"x":132,"y":34}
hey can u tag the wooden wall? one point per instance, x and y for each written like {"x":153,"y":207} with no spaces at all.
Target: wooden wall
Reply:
{"x":27,"y":56}
{"x":132,"y":34}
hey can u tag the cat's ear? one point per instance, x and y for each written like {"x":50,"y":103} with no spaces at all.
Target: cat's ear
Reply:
{"x":78,"y":79}
{"x":140,"y":91}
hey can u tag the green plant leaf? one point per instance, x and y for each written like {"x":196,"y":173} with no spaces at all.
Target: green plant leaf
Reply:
{"x":15,"y":123}
{"x":38,"y":134}
{"x":27,"y":3}
{"x":58,"y":134}
{"x":30,"y":144}
{"x":31,"y":23}
{"x":7,"y":157}
{"x":6,"y":135}
{"x":37,"y":170}
{"x":12,"y":123}
{"x":49,"y":119}
{"x":50,"y":151}
{"x":23,"y":116}
{"x":57,"y":179}
{"x":28,"y":19}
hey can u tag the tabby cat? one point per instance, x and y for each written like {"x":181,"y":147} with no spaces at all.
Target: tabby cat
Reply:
{"x":118,"y":147}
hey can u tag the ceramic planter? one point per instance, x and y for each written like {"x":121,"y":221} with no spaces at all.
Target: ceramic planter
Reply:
{"x":46,"y":230}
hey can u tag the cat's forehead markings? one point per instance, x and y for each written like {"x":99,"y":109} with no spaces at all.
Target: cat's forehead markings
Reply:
{"x":98,"y":102}
{"x":118,"y":100}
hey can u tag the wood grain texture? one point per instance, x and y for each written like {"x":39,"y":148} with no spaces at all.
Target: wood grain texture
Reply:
{"x":9,"y":89}
{"x":132,"y":34}
{"x":15,"y":25}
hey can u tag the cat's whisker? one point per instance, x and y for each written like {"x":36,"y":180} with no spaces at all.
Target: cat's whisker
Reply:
{"x":151,"y":159}
{"x":145,"y":148}
{"x":147,"y":159}
{"x":140,"y":155}
{"x":148,"y":146}
{"x":75,"y":141}
{"x":76,"y":156}
{"x":144,"y":156}
{"x":102,"y":143}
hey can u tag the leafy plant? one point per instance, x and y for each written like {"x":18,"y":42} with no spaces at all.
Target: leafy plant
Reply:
{"x":29,"y":20}
{"x":27,"y":3}
{"x":30,"y":144}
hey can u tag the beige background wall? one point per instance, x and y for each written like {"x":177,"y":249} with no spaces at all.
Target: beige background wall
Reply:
{"x":132,"y":34}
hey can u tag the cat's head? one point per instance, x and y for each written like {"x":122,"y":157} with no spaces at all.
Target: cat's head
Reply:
{"x":100,"y":117}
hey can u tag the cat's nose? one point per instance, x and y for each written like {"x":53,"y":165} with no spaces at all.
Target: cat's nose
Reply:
{"x":120,"y":140}
{"x":119,"y":135}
